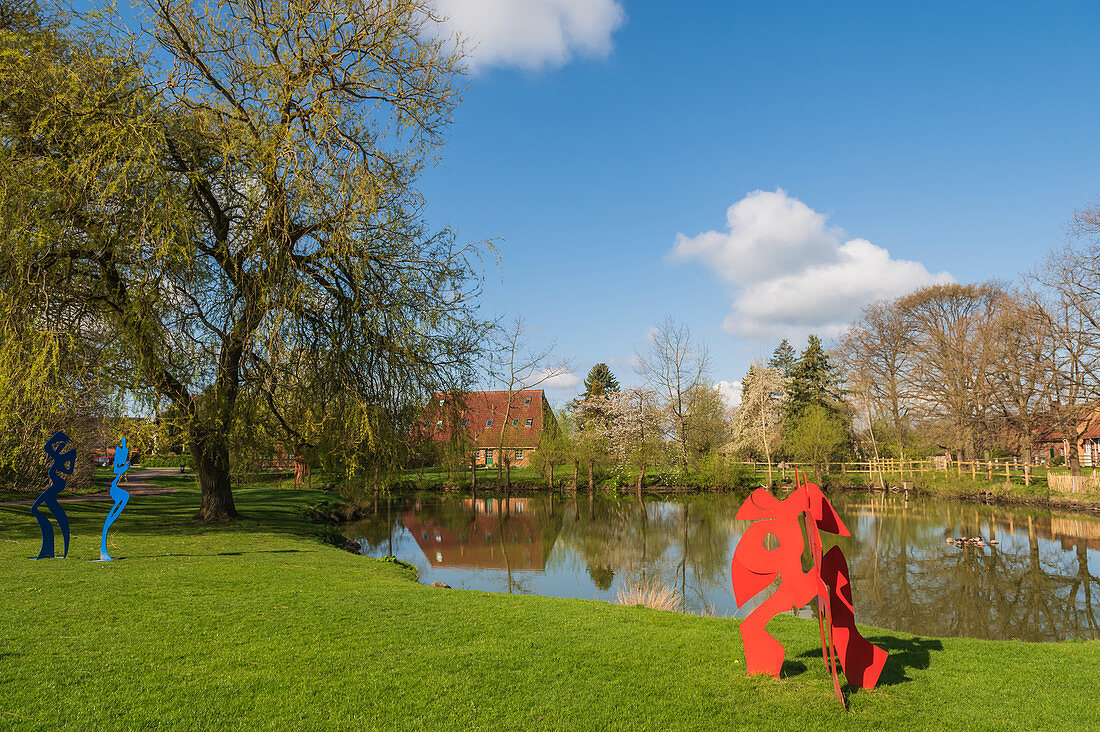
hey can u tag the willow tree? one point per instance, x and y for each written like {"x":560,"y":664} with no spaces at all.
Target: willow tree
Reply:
{"x":232,"y":182}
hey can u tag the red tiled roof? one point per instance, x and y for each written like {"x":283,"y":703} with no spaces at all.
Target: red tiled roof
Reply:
{"x":487,"y":412}
{"x":1091,"y":425}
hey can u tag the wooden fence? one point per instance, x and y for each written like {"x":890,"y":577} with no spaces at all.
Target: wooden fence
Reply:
{"x":893,"y":471}
{"x":1073,"y":484}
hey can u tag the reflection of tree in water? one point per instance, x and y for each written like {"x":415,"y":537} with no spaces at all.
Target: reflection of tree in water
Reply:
{"x":1035,"y":585}
{"x":539,"y":517}
{"x":704,"y":542}
{"x":514,"y":535}
{"x":906,"y":576}
{"x":682,"y":544}
{"x":375,"y":531}
{"x":613,"y":536}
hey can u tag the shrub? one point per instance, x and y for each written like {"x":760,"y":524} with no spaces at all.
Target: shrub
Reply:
{"x":649,"y":593}
{"x":166,"y":461}
{"x":716,"y":472}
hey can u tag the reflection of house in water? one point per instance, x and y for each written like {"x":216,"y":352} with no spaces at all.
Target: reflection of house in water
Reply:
{"x":494,"y":533}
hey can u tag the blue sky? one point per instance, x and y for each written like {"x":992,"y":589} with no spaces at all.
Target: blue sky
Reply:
{"x":949,"y":140}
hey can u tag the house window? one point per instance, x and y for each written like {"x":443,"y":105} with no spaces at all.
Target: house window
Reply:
{"x":527,"y":401}
{"x":519,"y":454}
{"x":488,"y":423}
{"x":515,"y":422}
{"x":441,"y":402}
{"x":464,"y":422}
{"x":439,"y":423}
{"x":528,"y":422}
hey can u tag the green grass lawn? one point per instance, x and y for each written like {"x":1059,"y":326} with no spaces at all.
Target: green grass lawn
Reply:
{"x":258,"y":624}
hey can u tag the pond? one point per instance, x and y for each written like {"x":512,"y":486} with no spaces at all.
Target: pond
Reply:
{"x":1040,"y":582}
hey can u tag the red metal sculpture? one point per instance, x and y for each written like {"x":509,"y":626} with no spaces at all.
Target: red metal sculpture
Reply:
{"x":755,"y":567}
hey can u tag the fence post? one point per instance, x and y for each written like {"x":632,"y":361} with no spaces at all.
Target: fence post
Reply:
{"x":1008,"y":473}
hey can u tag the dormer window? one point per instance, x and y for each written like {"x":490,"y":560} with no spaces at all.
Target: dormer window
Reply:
{"x":465,"y":422}
{"x":439,"y":423}
{"x":515,"y":422}
{"x":441,"y":402}
{"x":529,"y":421}
{"x":527,"y":402}
{"x":488,"y":423}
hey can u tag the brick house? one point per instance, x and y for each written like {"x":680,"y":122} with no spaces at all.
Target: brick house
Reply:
{"x":1052,"y":443}
{"x":484,"y":414}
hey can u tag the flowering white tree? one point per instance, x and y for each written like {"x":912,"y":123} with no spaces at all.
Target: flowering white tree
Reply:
{"x":627,"y":424}
{"x":759,"y":424}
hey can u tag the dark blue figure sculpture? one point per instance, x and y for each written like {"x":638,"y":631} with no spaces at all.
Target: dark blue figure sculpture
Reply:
{"x":122,"y":464}
{"x":60,"y":468}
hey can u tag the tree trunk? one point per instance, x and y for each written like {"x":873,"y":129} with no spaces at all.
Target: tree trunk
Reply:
{"x":210,"y":454}
{"x":641,"y":475}
{"x":551,"y":480}
{"x":1073,"y":459}
{"x":591,"y":480}
{"x":576,"y":474}
{"x":473,"y":477}
{"x":508,"y":476}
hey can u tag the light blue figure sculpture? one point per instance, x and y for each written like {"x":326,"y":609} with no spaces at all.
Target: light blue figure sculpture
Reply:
{"x":61,"y":467}
{"x":122,"y":464}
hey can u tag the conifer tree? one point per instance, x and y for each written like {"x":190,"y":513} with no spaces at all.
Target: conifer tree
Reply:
{"x":599,"y":381}
{"x":783,"y":358}
{"x":813,"y":381}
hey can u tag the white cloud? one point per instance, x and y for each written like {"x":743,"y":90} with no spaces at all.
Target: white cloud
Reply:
{"x":532,"y":34}
{"x":731,"y":392}
{"x":793,"y":272}
{"x":564,"y":380}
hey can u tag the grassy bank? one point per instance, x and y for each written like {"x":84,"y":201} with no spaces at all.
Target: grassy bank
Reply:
{"x":981,"y":487}
{"x":259,"y":625}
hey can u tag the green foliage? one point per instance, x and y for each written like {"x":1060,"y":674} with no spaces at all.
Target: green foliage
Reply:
{"x":816,"y":436}
{"x":717,"y":472}
{"x":166,"y":461}
{"x":708,"y":426}
{"x":599,"y":381}
{"x":233,"y":228}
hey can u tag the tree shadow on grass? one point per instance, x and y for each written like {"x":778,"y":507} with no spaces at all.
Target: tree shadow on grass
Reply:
{"x":791,"y":668}
{"x":263,"y":509}
{"x":214,"y":554}
{"x":905,"y":654}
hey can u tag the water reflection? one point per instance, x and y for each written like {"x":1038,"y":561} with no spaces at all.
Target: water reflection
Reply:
{"x":1038,"y":583}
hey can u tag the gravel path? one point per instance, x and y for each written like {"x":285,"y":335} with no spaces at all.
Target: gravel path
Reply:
{"x":136,"y":483}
